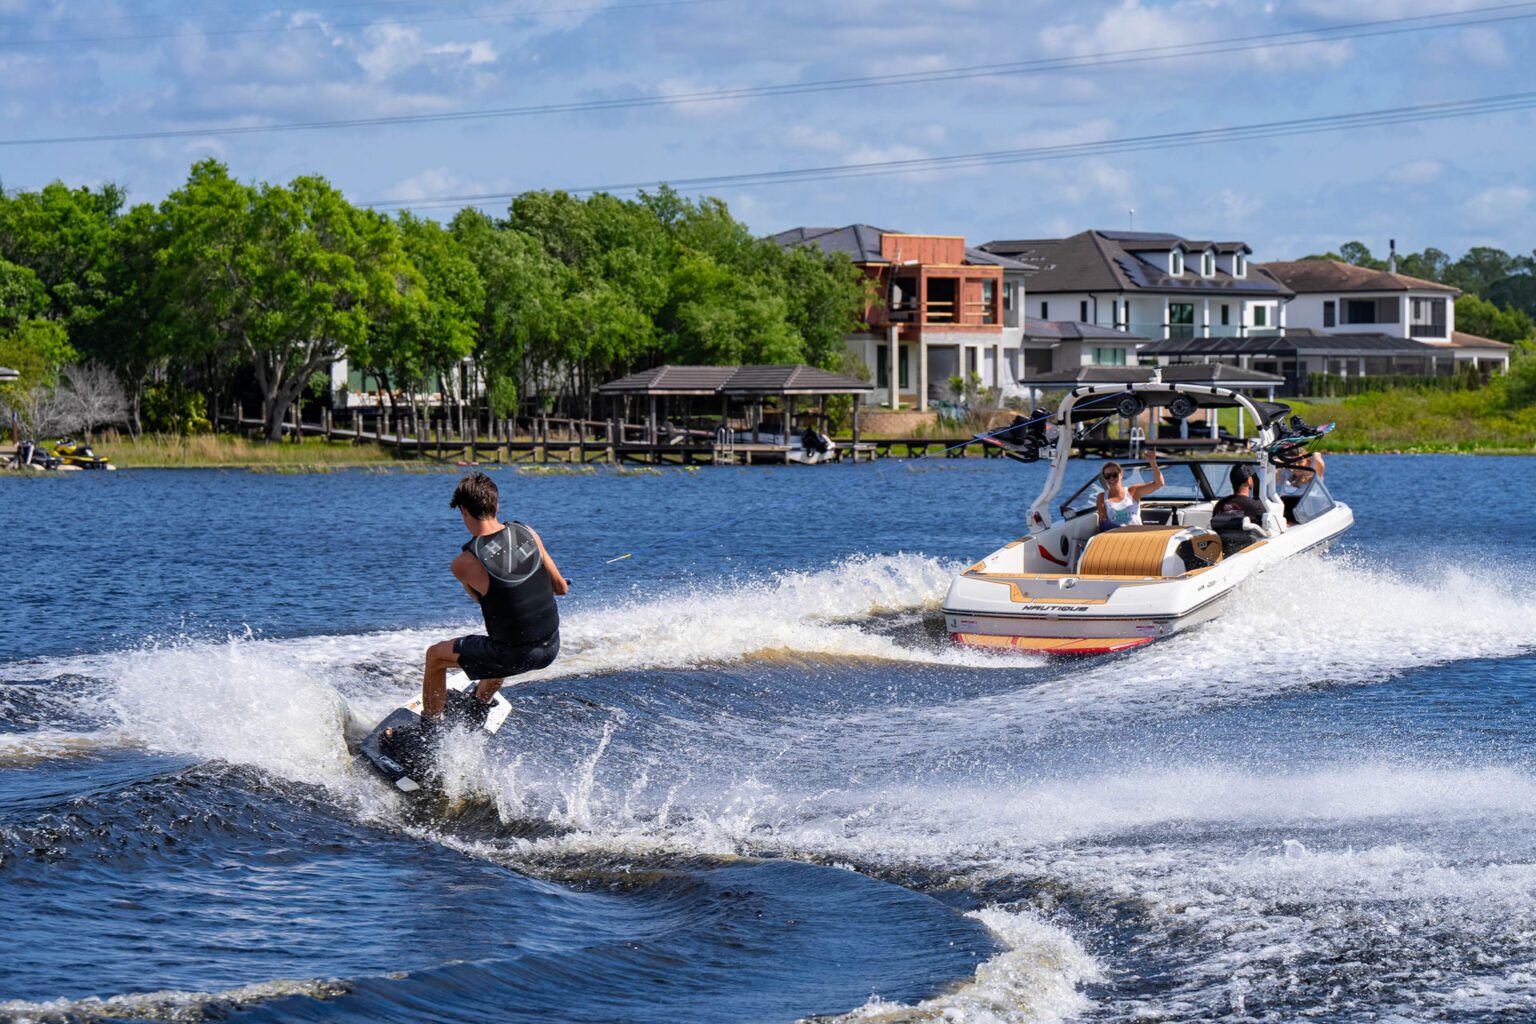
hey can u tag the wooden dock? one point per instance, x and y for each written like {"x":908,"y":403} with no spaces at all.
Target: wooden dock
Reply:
{"x":556,"y":441}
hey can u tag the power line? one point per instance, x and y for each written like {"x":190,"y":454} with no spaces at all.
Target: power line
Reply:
{"x":1309,"y":37}
{"x":536,"y":12}
{"x":1164,"y":140}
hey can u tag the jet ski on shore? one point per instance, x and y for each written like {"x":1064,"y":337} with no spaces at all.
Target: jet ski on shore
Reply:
{"x":79,"y":455}
{"x":1068,"y":587}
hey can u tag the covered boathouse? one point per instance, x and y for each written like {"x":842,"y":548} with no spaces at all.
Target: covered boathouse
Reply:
{"x":720,"y":413}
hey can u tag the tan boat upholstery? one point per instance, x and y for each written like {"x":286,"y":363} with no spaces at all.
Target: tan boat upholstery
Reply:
{"x":1146,"y":551}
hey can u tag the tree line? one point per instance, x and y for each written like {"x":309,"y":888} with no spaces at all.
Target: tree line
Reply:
{"x":1498,"y":297}
{"x":228,"y":291}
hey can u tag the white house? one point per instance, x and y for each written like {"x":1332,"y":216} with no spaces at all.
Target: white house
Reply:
{"x":1150,"y":284}
{"x":1337,"y":298}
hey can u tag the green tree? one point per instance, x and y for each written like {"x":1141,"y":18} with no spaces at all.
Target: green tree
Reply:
{"x":1485,"y":319}
{"x":433,"y":326}
{"x":524,"y":303}
{"x":64,"y":236}
{"x":1359,"y":254}
{"x":291,"y":276}
{"x":1430,"y":264}
{"x":22,"y":295}
{"x":714,"y":316}
{"x":1479,"y":268}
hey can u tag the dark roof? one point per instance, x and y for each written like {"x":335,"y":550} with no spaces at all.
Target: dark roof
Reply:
{"x":1093,"y":261}
{"x":1067,"y":330}
{"x":1334,"y":276}
{"x":861,"y":243}
{"x":1293,"y":341}
{"x":792,"y":380}
{"x":1216,"y":374}
{"x":735,"y":380}
{"x":991,"y":259}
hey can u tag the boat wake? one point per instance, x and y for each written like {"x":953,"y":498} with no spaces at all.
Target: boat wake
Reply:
{"x":760,"y":718}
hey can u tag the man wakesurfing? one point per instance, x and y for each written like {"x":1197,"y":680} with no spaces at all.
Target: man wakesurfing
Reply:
{"x":505,"y":568}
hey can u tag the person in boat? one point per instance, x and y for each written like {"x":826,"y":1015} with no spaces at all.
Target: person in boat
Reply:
{"x":1120,"y":505}
{"x":1245,"y":480}
{"x":507,"y":571}
{"x":1297,"y":470}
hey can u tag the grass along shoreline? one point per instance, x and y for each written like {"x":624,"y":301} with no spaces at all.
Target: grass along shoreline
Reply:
{"x":232,"y":451}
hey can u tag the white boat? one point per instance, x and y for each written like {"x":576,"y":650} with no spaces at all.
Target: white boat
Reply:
{"x":1068,"y":587}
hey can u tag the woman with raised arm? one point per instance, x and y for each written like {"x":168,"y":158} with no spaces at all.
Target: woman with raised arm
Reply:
{"x":1120,"y":505}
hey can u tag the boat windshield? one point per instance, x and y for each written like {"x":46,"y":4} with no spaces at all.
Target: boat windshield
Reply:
{"x":1182,"y":482}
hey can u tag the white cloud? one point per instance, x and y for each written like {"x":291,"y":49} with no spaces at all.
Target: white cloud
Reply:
{"x":478,"y":52}
{"x":1499,"y":204}
{"x":1232,"y":210}
{"x":1416,"y":172}
{"x":805,"y":136}
{"x":1132,"y":26}
{"x":673,"y":87}
{"x":433,"y":182}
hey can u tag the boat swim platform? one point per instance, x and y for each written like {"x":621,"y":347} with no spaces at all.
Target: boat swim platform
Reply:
{"x":1051,"y":644}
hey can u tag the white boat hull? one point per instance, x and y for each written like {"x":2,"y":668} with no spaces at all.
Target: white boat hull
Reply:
{"x":996,"y":603}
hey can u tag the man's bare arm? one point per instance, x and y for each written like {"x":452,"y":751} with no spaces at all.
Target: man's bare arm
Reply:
{"x":471,"y":575}
{"x":558,"y":583}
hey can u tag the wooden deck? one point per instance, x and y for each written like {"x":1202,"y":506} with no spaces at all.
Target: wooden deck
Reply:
{"x":580,"y":442}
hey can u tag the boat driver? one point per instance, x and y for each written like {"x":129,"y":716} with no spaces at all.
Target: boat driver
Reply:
{"x":1245,"y":480}
{"x":1120,"y":505}
{"x":505,"y":568}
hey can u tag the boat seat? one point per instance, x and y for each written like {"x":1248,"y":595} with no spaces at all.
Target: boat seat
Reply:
{"x":1149,"y":551}
{"x":1236,"y":532}
{"x":1197,"y":515}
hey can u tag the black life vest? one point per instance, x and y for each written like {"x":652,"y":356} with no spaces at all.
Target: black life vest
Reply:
{"x":519,"y":607}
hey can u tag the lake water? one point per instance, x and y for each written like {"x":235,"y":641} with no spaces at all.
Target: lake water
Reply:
{"x":759,"y":784}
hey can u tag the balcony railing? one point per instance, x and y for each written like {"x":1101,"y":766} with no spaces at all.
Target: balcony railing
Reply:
{"x":1154,"y":330}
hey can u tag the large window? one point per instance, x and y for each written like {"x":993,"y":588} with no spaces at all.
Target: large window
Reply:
{"x":988,"y":301}
{"x":1181,"y":319}
{"x":1427,"y":318}
{"x":1372,"y":311}
{"x":1330,"y":314}
{"x":1261,"y":316}
{"x":1109,"y":356}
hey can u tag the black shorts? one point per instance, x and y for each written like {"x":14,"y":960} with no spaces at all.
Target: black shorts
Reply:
{"x":483,"y":658}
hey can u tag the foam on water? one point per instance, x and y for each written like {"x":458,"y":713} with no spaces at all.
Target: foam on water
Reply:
{"x":1308,"y":623}
{"x":1238,"y":877}
{"x":1038,"y":978}
{"x":164,"y":1005}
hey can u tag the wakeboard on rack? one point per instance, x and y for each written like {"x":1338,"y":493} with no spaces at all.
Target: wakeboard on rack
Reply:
{"x":1297,"y":435}
{"x":404,"y":754}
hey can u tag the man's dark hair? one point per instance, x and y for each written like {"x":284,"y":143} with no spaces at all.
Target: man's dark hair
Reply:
{"x":476,"y":494}
{"x":1241,"y":474}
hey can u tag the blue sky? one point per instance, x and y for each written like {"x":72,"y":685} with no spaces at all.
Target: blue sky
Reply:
{"x":71,"y":67}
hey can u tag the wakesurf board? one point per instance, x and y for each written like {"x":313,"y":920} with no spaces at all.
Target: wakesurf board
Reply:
{"x":403,"y":753}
